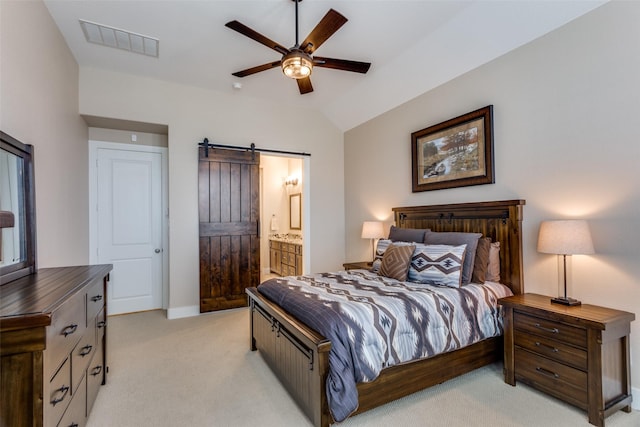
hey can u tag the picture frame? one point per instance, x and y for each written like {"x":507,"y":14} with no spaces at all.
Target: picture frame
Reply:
{"x":295,"y":208}
{"x":455,"y":153}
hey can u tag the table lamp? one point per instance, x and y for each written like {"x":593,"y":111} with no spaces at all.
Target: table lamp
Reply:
{"x":372,"y":230}
{"x":565,"y":238}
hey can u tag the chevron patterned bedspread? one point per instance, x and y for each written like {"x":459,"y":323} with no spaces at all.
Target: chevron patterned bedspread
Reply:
{"x":375,"y":322}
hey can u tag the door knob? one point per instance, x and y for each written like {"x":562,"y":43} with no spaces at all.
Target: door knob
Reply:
{"x":158,"y":250}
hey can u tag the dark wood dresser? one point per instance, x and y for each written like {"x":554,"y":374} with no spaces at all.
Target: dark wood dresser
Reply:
{"x":578,"y":354}
{"x":52,"y":345}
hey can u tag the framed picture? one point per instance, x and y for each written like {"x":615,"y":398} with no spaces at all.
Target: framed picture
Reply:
{"x":455,"y":153}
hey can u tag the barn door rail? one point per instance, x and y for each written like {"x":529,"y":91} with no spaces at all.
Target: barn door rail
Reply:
{"x":207,"y":145}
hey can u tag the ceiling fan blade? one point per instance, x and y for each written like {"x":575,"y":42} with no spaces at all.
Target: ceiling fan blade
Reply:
{"x":257,"y":69}
{"x":246,"y":31}
{"x":329,"y":24}
{"x":305,"y":85}
{"x":341,"y":64}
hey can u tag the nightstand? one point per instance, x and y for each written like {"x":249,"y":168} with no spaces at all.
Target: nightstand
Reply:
{"x":362,"y":265}
{"x":577,"y":354}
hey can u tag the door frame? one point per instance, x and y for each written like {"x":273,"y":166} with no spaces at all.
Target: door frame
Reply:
{"x":94,"y":146}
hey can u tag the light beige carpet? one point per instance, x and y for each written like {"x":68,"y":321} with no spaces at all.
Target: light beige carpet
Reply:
{"x":199,"y":372}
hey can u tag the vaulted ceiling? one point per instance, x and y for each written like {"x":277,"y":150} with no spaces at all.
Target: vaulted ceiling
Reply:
{"x":413,"y":46}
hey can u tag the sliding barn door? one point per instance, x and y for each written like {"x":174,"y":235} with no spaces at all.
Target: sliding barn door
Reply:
{"x":228,"y":187}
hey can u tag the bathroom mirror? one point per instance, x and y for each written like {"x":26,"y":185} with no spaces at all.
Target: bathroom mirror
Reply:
{"x":17,"y":204}
{"x":294,"y":211}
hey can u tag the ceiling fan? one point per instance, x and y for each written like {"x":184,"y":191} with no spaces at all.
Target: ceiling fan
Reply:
{"x":298,"y":62}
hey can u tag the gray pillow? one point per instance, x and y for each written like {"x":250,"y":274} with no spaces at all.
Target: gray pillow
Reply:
{"x":455,"y":238}
{"x":407,"y":234}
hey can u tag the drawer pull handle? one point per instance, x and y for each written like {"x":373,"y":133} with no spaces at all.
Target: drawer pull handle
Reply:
{"x":86,"y":350}
{"x":96,"y":371}
{"x":553,"y":331}
{"x":74,"y":425}
{"x":69,"y":330}
{"x":101,"y":324}
{"x":553,"y":349}
{"x":547,"y":372}
{"x":63,"y":391}
{"x":96,"y":298}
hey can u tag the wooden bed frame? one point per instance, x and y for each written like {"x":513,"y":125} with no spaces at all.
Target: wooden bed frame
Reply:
{"x":299,"y":356}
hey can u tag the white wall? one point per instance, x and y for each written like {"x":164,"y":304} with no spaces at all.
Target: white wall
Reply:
{"x":39,"y":106}
{"x":193,"y":114}
{"x":565,"y":113}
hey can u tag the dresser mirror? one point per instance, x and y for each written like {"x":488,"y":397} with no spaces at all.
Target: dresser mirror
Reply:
{"x":17,"y":210}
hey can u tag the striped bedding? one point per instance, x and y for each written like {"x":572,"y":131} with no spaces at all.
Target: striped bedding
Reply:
{"x":375,"y":322}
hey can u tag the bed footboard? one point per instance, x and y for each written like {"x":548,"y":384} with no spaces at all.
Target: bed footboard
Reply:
{"x":297,"y":355}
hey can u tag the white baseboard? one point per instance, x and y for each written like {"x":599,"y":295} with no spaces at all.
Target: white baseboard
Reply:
{"x":635,"y":392}
{"x":179,"y":312}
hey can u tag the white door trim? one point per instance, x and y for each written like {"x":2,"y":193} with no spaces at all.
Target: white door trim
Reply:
{"x":94,"y":146}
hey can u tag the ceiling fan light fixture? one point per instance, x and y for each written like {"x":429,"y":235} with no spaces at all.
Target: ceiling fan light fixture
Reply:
{"x":297,"y":65}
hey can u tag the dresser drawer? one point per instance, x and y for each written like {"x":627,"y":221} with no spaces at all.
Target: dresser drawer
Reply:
{"x":550,"y":329}
{"x":75,"y":415}
{"x":561,"y":381}
{"x":95,"y":377}
{"x":81,"y":355}
{"x":68,"y":325}
{"x":101,"y":325}
{"x":58,"y":394}
{"x":95,"y":301}
{"x":552,"y":349}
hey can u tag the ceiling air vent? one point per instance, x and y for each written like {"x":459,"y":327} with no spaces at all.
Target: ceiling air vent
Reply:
{"x":120,"y":39}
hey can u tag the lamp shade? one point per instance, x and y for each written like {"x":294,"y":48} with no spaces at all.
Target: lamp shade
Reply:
{"x":372,"y":230}
{"x":565,"y":237}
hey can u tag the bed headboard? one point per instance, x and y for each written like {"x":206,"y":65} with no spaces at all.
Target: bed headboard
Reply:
{"x":500,"y":220}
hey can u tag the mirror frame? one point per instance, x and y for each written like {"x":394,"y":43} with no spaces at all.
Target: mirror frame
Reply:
{"x":295,"y":207}
{"x":28,"y":266}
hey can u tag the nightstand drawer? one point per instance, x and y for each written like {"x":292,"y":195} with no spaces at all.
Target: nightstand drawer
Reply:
{"x":550,"y":329}
{"x":552,"y":349}
{"x":554,"y":378}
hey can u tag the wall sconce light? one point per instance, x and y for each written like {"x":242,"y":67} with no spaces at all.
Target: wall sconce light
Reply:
{"x":291,"y":180}
{"x":372,"y":230}
{"x":565,"y":238}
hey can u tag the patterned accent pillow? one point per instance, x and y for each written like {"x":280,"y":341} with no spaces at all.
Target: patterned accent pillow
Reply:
{"x":437,"y":265}
{"x":382,"y":246}
{"x":457,"y":238}
{"x":395,"y":261}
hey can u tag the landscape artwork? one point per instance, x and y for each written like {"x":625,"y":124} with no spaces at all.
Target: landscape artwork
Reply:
{"x":455,"y":153}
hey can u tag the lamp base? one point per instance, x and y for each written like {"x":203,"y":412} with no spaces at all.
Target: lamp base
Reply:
{"x":565,"y":301}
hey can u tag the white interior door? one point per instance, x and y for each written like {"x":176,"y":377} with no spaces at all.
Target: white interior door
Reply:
{"x":129,"y":227}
